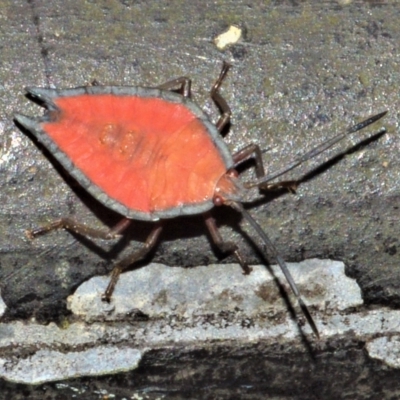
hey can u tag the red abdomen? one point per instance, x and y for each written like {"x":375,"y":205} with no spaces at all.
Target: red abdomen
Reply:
{"x":146,"y":153}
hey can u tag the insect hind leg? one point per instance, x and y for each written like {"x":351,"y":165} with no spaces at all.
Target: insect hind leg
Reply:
{"x":124,"y":264}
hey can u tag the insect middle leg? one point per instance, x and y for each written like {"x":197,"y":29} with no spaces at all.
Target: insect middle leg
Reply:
{"x":250,"y":151}
{"x":81,"y":229}
{"x":225,"y":247}
{"x":124,"y":264}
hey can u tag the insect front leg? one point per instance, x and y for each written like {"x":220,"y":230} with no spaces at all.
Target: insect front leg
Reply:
{"x":225,"y":247}
{"x":121,"y":266}
{"x":253,"y":151}
{"x":182,"y":85}
{"x":250,"y":151}
{"x":81,"y":229}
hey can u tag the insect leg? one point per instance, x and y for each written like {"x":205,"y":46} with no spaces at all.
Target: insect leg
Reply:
{"x":254,"y":151}
{"x":225,"y":247}
{"x":182,"y":85}
{"x":126,"y":262}
{"x":219,"y":100}
{"x":80,"y":229}
{"x":250,"y":151}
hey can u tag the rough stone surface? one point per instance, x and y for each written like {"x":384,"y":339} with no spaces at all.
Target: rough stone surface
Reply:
{"x":302,"y":72}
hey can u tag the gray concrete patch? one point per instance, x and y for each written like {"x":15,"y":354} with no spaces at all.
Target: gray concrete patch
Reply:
{"x":386,"y":349}
{"x":50,"y":365}
{"x":158,"y":291}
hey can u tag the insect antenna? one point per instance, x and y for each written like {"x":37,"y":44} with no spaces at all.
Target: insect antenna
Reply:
{"x":239,"y":207}
{"x":317,"y":150}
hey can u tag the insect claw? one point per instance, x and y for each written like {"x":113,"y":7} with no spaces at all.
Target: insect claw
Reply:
{"x":29,"y":234}
{"x":291,"y":186}
{"x":105,"y":298}
{"x":247,"y":270}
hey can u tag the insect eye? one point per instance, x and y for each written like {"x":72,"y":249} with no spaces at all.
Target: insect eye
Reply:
{"x":218,"y":200}
{"x":232,"y":173}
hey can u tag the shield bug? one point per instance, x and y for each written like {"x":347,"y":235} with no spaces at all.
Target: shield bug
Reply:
{"x":152,"y":154}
